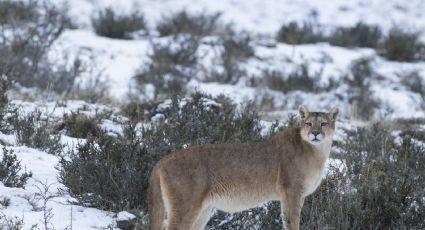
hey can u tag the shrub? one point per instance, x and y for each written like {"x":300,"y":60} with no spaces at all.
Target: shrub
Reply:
{"x":79,"y":125}
{"x":109,"y":24}
{"x":171,"y":66}
{"x":378,"y":165}
{"x":112,"y":172}
{"x":139,"y":111}
{"x":5,"y":202}
{"x":10,"y":168}
{"x":17,"y":11}
{"x":31,"y":130}
{"x":32,"y":27}
{"x":4,"y":86}
{"x":295,"y":33}
{"x":107,"y":172}
{"x":93,"y":89}
{"x":402,"y":45}
{"x":12,"y":223}
{"x":360,"y":35}
{"x":202,"y":120}
{"x":265,"y":217}
{"x":300,"y":79}
{"x":185,"y":23}
{"x":61,"y":77}
{"x":236,"y":49}
{"x":359,"y":93}
{"x":327,"y":208}
{"x":413,"y":81}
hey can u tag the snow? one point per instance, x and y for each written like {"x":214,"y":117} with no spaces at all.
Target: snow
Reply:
{"x":403,"y":104}
{"x":121,"y":59}
{"x":8,"y":139}
{"x":43,"y":166}
{"x":237,"y":93}
{"x":125,"y":216}
{"x":24,"y":202}
{"x":267,"y":17}
{"x":117,"y":61}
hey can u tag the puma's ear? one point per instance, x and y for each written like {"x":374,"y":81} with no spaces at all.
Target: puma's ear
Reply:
{"x":333,"y":113}
{"x":303,"y":112}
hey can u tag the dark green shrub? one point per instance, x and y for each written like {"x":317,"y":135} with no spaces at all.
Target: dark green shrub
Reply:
{"x":202,"y":120}
{"x":389,"y":179}
{"x":5,"y":202}
{"x":413,"y":81}
{"x":112,"y":172}
{"x":236,"y":49}
{"x":109,"y":24}
{"x":185,"y":23}
{"x":402,"y":45}
{"x":32,"y":27}
{"x":33,"y":131}
{"x":295,"y":33}
{"x":359,"y":93}
{"x":171,"y":66}
{"x":108,"y":172}
{"x":300,"y":79}
{"x":62,"y":79}
{"x":410,"y":127}
{"x":17,"y":11}
{"x":79,"y":125}
{"x":139,"y":111}
{"x":265,"y":217}
{"x":360,"y":35}
{"x":4,"y":86}
{"x":327,"y":208}
{"x":10,"y":168}
{"x":93,"y":90}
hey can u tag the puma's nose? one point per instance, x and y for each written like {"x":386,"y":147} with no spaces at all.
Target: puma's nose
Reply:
{"x":315,"y":133}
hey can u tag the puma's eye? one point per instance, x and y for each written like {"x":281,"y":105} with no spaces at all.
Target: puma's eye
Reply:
{"x":308,"y":124}
{"x":324,"y":124}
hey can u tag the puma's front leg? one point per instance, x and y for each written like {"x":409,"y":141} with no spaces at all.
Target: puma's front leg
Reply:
{"x":291,"y":205}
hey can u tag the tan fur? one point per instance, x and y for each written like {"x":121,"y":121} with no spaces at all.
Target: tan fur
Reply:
{"x":187,"y":184}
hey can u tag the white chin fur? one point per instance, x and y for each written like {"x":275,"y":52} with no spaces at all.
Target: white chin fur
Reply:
{"x":315,"y":140}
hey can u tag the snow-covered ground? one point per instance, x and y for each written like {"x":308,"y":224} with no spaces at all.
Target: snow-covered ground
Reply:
{"x":27,"y":204}
{"x":119,"y":60}
{"x":266,"y":17}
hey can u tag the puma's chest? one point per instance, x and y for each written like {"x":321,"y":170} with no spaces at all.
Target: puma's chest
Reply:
{"x":312,"y":181}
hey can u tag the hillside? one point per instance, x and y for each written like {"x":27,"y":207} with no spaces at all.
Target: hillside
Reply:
{"x":94,"y":92}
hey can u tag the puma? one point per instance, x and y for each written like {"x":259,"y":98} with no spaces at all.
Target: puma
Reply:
{"x":187,"y":184}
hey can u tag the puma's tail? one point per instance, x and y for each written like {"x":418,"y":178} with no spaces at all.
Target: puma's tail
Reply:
{"x":155,"y":202}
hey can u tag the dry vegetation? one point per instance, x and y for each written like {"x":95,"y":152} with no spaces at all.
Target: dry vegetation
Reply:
{"x":379,"y":184}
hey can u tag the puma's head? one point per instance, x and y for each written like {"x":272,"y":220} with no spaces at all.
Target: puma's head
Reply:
{"x":317,"y":127}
